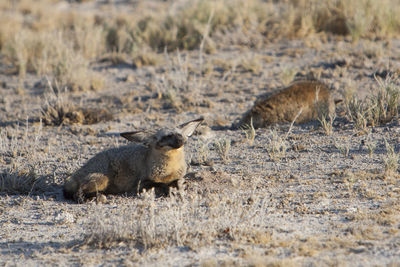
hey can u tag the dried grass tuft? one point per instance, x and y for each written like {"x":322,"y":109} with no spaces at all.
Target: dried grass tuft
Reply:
{"x":56,"y":113}
{"x":379,"y":108}
{"x":193,"y":222}
{"x":24,"y":181}
{"x":59,"y":110}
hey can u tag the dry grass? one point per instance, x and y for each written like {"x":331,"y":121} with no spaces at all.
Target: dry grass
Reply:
{"x":326,"y":118}
{"x":391,"y":160}
{"x":65,"y":113}
{"x":52,"y":54}
{"x":24,"y":181}
{"x":21,"y":155}
{"x":384,"y":106}
{"x":204,"y":219}
{"x":378,"y":108}
{"x":356,"y":112}
{"x":59,"y":109}
{"x":228,"y":207}
{"x":277,"y":146}
{"x":327,"y":123}
{"x":193,"y":221}
{"x":223,"y":147}
{"x":252,"y":64}
{"x":203,"y":152}
{"x":43,"y":34}
{"x":344,"y":147}
{"x":371,"y":146}
{"x":287,"y":75}
{"x":249,"y":132}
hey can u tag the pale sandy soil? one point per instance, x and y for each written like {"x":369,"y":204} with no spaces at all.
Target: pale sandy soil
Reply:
{"x":315,"y":204}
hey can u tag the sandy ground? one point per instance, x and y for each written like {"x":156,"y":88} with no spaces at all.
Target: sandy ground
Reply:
{"x":324,"y":200}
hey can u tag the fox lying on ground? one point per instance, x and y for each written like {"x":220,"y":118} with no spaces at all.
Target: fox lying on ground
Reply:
{"x":156,"y":158}
{"x":302,"y":100}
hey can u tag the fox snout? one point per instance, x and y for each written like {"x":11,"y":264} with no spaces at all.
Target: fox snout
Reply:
{"x":175,"y":141}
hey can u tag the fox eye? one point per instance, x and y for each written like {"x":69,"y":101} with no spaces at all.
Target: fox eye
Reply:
{"x":165,"y":138}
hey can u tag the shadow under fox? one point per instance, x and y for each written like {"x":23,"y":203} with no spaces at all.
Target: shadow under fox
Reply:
{"x":156,"y":158}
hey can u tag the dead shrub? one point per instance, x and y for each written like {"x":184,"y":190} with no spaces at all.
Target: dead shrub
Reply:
{"x":59,"y":110}
{"x":57,"y":113}
{"x":145,"y":59}
{"x":384,"y":106}
{"x":24,"y":181}
{"x":377,"y":109}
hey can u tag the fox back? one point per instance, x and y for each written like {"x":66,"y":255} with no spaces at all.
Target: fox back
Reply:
{"x":302,"y":100}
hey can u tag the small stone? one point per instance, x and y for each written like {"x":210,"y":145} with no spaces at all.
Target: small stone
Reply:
{"x":63,"y":217}
{"x":101,"y":199}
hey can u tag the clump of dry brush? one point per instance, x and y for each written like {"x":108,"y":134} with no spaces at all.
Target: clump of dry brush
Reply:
{"x":59,"y":113}
{"x":58,"y":109}
{"x":24,"y":181}
{"x":379,"y":108}
{"x":44,"y":38}
{"x":192,"y":221}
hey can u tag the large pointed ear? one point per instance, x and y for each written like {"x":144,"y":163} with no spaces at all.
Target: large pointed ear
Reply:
{"x":136,"y":136}
{"x":189,"y":127}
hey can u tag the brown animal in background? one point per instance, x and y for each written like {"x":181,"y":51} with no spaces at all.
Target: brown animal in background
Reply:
{"x":302,"y":100}
{"x":156,"y":159}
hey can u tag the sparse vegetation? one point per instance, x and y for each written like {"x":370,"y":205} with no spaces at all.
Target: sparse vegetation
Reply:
{"x":48,"y":53}
{"x":277,"y":146}
{"x":203,"y":152}
{"x":378,"y":108}
{"x":284,"y":195}
{"x":356,"y":112}
{"x":371,"y":145}
{"x":325,"y":116}
{"x":391,"y":160}
{"x":252,"y":65}
{"x":384,"y":106}
{"x":34,"y":45}
{"x":21,"y":173}
{"x":60,"y":110}
{"x":249,"y":132}
{"x":287,"y":75}
{"x":149,"y":225}
{"x":23,"y":182}
{"x":327,"y":123}
{"x":223,"y":147}
{"x":344,"y":148}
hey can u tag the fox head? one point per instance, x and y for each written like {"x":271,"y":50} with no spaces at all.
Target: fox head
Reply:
{"x":164,"y":138}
